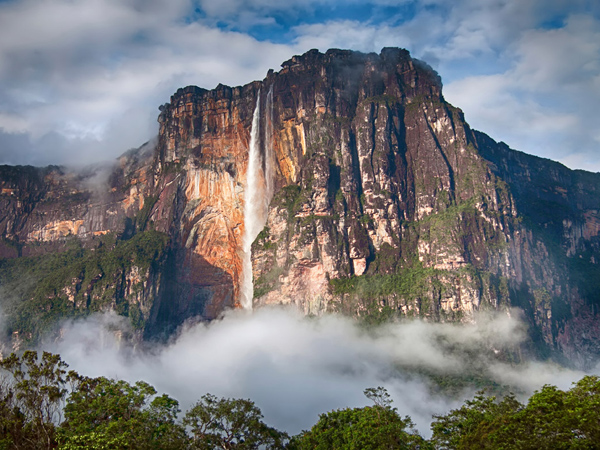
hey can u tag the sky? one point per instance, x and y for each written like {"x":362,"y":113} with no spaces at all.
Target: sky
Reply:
{"x":81,"y":80}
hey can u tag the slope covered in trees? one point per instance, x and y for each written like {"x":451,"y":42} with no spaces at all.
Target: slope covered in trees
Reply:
{"x":45,"y":406}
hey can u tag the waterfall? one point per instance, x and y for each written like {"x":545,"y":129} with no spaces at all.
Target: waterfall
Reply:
{"x":251,"y":207}
{"x":269,"y":176}
{"x":258,"y":193}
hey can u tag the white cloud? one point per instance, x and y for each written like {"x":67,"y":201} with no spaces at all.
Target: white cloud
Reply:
{"x":295,"y":367}
{"x":96,"y":75}
{"x":535,"y":88}
{"x":13,"y":123}
{"x":72,"y":73}
{"x":545,"y":102}
{"x":345,"y":34}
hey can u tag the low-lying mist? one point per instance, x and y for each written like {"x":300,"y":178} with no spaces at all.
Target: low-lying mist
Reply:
{"x":296,"y":367}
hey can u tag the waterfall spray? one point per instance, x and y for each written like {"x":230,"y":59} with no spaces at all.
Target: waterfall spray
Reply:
{"x":251,"y":207}
{"x":268,"y":161}
{"x":258,"y":193}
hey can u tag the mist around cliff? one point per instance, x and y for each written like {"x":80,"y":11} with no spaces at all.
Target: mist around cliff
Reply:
{"x":295,"y":368}
{"x":96,"y":177}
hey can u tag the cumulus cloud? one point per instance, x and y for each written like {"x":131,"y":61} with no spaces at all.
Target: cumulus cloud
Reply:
{"x":544,"y":103}
{"x":527,"y":73}
{"x":348,"y":34}
{"x":295,"y":367}
{"x":83,"y":79}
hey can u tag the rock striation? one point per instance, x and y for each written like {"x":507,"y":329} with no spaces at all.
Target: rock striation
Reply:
{"x":385,"y":204}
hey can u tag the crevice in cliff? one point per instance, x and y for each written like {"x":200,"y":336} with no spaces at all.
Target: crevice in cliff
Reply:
{"x":373,"y":115}
{"x":444,"y":157}
{"x":355,"y":167}
{"x":397,"y":169}
{"x":406,"y":176}
{"x":333,"y":183}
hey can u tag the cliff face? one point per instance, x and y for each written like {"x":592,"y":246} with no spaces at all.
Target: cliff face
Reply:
{"x":384,"y":203}
{"x":187,"y":187}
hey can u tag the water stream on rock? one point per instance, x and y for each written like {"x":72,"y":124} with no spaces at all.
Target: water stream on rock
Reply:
{"x":259,"y":190}
{"x":269,"y":175}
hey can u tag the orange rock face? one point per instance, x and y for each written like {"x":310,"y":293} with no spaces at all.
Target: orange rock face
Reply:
{"x":376,"y":179}
{"x":207,"y":135}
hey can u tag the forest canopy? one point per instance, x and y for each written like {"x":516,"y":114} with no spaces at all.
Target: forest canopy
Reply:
{"x":43,"y":405}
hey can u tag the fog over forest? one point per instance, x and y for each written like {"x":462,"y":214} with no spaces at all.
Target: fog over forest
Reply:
{"x":296,"y":367}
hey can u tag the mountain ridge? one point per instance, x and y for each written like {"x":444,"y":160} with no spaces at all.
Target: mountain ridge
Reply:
{"x":385,"y":204}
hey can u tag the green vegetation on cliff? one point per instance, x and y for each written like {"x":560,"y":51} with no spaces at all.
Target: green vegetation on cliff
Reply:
{"x":39,"y":291}
{"x":408,"y":282}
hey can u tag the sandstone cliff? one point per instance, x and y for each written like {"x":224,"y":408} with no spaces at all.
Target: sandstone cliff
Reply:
{"x":385,"y":203}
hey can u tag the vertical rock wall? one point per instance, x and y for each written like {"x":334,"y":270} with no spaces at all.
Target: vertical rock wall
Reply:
{"x":385,"y":203}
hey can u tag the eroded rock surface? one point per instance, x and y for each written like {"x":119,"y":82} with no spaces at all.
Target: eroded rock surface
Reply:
{"x":385,"y":203}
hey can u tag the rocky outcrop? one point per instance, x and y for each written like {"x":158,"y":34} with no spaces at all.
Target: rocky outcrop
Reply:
{"x":385,"y":203}
{"x":392,"y":205}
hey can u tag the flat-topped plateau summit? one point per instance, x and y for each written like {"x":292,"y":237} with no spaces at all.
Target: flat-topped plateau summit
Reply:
{"x":342,"y":183}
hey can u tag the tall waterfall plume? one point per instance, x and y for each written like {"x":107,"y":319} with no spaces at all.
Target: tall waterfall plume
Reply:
{"x":268,"y":161}
{"x":258,"y":193}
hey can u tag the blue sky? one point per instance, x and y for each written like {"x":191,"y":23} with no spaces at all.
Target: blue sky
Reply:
{"x":81,"y":80}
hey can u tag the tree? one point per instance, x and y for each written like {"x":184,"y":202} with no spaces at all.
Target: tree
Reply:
{"x":584,"y":403}
{"x":12,"y":419}
{"x":111,"y":414}
{"x":379,"y":396}
{"x":32,"y":396}
{"x":470,"y":425}
{"x":230,"y":424}
{"x":556,"y":419}
{"x":371,"y":427}
{"x":552,"y":419}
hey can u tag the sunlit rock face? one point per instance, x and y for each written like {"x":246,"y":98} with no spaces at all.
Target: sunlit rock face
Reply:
{"x":389,"y":180}
{"x":388,"y":202}
{"x":384,"y":202}
{"x":204,"y":139}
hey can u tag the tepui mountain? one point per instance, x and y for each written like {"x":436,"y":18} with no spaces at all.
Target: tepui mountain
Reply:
{"x":344,"y":182}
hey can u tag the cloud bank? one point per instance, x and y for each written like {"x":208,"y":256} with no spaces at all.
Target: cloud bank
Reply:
{"x":295,"y":368}
{"x":83,"y":79}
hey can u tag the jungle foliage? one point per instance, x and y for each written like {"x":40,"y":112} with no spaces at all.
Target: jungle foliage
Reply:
{"x":38,"y":291}
{"x":43,"y":405}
